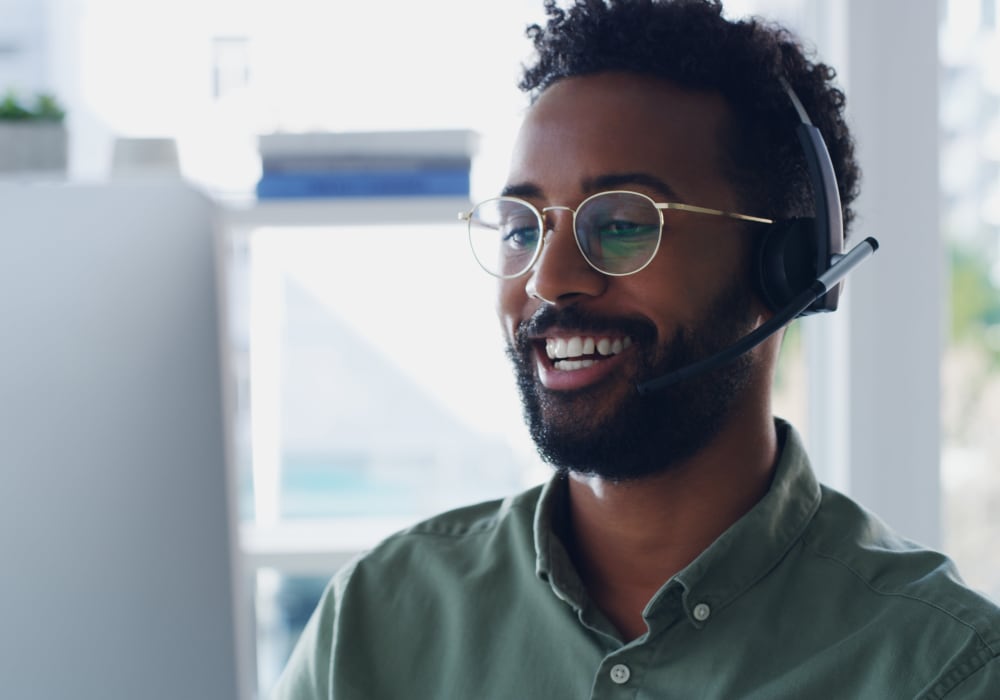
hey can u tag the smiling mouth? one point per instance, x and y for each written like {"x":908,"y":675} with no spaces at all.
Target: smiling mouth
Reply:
{"x":581,"y":351}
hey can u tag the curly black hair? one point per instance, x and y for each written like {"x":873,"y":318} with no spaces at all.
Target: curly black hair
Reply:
{"x":691,"y":44}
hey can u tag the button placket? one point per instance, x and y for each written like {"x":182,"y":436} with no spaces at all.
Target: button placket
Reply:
{"x":620,"y":673}
{"x":701,"y":612}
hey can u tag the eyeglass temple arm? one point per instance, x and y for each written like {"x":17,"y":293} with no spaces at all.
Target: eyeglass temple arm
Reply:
{"x":714,"y":212}
{"x":467,"y":215}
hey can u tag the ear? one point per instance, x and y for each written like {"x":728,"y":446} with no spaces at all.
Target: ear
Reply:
{"x":785,"y":261}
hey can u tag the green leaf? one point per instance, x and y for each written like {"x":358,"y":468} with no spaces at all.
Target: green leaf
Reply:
{"x":46,"y":108}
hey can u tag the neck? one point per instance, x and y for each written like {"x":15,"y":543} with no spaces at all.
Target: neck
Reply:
{"x":629,"y":538}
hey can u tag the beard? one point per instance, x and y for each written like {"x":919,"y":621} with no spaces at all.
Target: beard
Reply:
{"x":624,"y":437}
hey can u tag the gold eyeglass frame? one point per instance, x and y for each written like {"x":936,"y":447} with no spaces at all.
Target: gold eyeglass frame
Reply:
{"x":540,"y":215}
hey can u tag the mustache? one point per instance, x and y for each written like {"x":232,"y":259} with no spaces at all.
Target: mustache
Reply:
{"x":572,"y":318}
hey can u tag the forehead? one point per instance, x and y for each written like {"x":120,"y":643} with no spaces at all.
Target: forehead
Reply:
{"x":583,"y":128}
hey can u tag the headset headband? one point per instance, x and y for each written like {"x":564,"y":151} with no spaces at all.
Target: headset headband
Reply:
{"x":828,"y":214}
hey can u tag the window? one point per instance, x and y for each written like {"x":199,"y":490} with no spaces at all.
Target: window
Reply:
{"x":377,"y":393}
{"x":970,"y":195}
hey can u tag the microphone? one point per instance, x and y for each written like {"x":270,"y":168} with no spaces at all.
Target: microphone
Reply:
{"x":842,"y":265}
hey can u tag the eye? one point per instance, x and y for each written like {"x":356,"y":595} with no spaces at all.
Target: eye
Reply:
{"x":518,"y":228}
{"x":520,"y":237}
{"x":622,"y":228}
{"x":622,"y":239}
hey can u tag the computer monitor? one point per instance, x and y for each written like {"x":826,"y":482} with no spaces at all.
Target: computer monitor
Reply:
{"x":116,"y":535}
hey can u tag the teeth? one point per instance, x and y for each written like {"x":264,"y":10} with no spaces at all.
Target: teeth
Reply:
{"x":568,"y":365}
{"x":580,"y":346}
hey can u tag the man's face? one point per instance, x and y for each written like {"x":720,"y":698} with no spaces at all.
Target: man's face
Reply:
{"x":621,"y":131}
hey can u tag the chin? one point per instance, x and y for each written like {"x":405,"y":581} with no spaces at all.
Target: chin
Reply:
{"x":633,"y":436}
{"x":608,"y":429}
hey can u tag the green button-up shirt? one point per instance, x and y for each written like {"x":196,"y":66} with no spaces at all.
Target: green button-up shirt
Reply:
{"x":806,"y":596}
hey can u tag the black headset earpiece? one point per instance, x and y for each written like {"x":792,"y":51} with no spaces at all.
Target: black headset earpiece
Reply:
{"x":786,"y":260}
{"x":793,"y":253}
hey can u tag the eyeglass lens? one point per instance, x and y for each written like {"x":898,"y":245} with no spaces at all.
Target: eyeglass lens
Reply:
{"x":617,"y":232}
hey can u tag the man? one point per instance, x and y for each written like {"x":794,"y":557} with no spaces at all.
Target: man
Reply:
{"x":683,"y":547}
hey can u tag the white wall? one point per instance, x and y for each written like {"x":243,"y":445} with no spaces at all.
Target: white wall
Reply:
{"x":897,"y":303}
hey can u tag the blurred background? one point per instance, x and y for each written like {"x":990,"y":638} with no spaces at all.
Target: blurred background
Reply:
{"x":365,"y":381}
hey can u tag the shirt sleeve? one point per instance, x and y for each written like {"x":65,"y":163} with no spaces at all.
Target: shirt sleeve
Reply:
{"x":307,"y":675}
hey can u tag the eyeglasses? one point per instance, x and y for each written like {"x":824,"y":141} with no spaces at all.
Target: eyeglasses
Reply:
{"x":617,"y":232}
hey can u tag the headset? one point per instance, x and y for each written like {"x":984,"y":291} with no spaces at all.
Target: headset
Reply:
{"x":799,"y":263}
{"x":794,"y":252}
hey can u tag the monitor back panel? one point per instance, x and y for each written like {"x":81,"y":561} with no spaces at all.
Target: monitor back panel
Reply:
{"x":116,"y":573}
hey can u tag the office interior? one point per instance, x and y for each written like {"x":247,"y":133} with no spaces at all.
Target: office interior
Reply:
{"x":210,"y":401}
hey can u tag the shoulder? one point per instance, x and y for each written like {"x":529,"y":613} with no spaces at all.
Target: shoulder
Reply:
{"x":846,"y":534}
{"x":473,"y":520}
{"x":467,"y":524}
{"x":488,"y":534}
{"x":911,"y":594}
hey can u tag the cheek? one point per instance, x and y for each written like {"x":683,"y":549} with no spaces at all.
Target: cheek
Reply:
{"x":702,"y":265}
{"x":686,"y":278}
{"x":511,"y":300}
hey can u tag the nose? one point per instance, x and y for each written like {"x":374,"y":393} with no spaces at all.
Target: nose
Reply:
{"x":561,"y":275}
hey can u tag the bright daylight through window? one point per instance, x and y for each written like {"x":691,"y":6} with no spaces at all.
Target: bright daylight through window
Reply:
{"x":970,"y":191}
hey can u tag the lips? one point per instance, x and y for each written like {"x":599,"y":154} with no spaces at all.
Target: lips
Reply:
{"x":582,"y":351}
{"x":573,"y":349}
{"x":570,"y":362}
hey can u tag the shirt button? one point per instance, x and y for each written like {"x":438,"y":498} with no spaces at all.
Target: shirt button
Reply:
{"x":701,"y":612}
{"x":620,"y":674}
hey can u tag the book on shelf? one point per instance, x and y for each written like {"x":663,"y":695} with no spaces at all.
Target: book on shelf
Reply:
{"x":312,"y":163}
{"x":363,"y":183}
{"x":366,"y":164}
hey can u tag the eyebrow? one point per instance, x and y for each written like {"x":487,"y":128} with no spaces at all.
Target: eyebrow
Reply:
{"x":610,"y":181}
{"x":523,"y":190}
{"x":616,"y":180}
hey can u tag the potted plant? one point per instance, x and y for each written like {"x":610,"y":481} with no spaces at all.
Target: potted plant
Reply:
{"x":32,"y":135}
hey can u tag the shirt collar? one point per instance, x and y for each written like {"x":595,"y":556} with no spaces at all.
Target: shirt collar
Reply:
{"x":754,"y":544}
{"x":552,"y":561}
{"x":740,"y":557}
